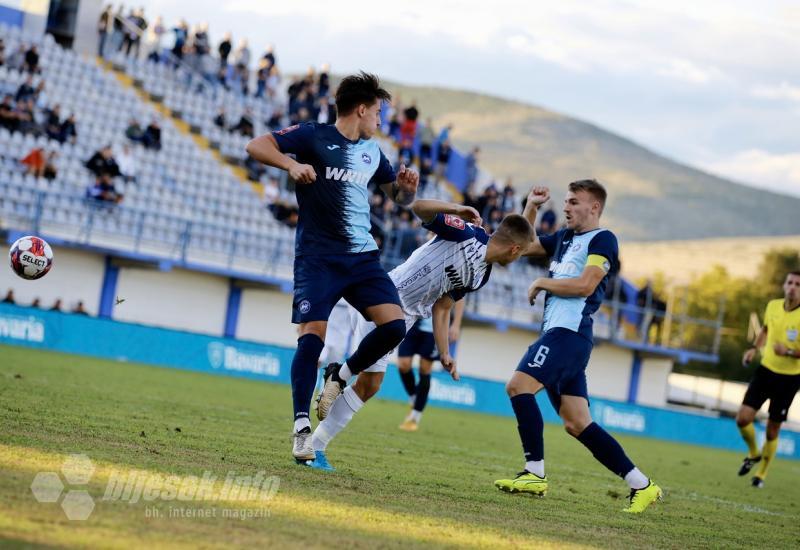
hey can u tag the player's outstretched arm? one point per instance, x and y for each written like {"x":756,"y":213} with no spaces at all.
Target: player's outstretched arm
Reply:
{"x":441,"y":329}
{"x":427,"y":209}
{"x":537,"y":197}
{"x":403,"y":191}
{"x":582,"y":286}
{"x":759,"y":343}
{"x":265,"y":150}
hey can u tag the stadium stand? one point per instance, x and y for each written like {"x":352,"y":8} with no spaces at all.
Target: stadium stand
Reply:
{"x":188,"y":208}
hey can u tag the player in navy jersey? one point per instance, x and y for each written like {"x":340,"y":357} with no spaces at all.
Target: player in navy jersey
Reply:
{"x":582,"y":256}
{"x":335,"y":256}
{"x":438,"y":274}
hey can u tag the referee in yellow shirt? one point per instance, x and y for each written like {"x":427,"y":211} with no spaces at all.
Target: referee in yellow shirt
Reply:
{"x":777,"y":377}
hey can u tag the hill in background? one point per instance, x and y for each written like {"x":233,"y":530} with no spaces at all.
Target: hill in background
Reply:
{"x":650,"y":197}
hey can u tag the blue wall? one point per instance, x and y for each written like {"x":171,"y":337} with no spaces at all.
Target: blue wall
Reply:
{"x":109,"y":339}
{"x":11,"y":16}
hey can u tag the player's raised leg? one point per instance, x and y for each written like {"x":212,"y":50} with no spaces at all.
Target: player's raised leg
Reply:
{"x":574,"y":412}
{"x":375,"y":296}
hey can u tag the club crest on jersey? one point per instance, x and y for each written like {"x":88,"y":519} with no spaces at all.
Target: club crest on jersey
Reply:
{"x":287,"y":130}
{"x":791,"y":334}
{"x":366,"y":158}
{"x":454,"y":221}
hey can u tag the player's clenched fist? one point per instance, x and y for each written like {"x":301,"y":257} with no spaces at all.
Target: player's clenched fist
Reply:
{"x":407,"y":180}
{"x":539,"y":195}
{"x":302,"y":173}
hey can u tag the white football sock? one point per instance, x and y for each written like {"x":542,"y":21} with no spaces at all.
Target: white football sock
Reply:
{"x":342,"y":411}
{"x":636,"y":479}
{"x":415,"y":415}
{"x":345,"y":374}
{"x":535,"y":467}
{"x":301,"y":423}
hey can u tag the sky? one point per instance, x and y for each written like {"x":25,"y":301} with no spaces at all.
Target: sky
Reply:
{"x":712,"y":83}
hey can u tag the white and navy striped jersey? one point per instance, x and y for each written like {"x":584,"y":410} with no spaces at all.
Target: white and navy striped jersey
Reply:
{"x":452,"y":263}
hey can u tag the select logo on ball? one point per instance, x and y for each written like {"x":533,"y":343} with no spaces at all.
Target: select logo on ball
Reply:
{"x":30,"y":257}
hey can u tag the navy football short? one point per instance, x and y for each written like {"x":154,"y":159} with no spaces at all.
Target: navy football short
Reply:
{"x":418,"y":342}
{"x":320,"y":280}
{"x":558,"y":359}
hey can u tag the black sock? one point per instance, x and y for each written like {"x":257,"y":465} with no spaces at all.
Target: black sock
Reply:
{"x":304,"y":373}
{"x":530,"y":425}
{"x":376,"y":344}
{"x":606,"y":449}
{"x":407,"y":378}
{"x":423,"y":388}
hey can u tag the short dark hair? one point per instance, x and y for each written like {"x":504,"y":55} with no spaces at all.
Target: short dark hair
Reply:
{"x":796,"y":273}
{"x":514,"y":229}
{"x":359,"y":89}
{"x":593,"y":187}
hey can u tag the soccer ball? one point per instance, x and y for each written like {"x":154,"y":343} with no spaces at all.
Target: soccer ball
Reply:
{"x":31,"y":257}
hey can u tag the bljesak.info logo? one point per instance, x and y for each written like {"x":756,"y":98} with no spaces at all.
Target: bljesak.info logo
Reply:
{"x":69,"y":488}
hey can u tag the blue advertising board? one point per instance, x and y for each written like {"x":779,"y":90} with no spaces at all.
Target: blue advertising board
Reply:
{"x":104,"y":338}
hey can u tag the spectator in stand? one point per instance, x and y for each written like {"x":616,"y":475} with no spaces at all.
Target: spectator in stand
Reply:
{"x":324,"y":81}
{"x":241,"y":58}
{"x":444,"y":135}
{"x":254,"y":169}
{"x":9,"y":299}
{"x":102,"y":163}
{"x":152,"y":136}
{"x":548,"y":221}
{"x":155,"y":38}
{"x":118,"y":31}
{"x":472,"y":165}
{"x":79,"y":309}
{"x":126,"y":161}
{"x":653,"y":312}
{"x":275,"y":119}
{"x":32,"y":60}
{"x":508,"y":203}
{"x":8,"y":114}
{"x":69,"y":131}
{"x":128,"y":32}
{"x":52,"y":125}
{"x":134,"y":131}
{"x":224,"y":50}
{"x":425,"y":173}
{"x":262,"y":75}
{"x":325,"y":113}
{"x":273,"y":81}
{"x":40,"y":163}
{"x":103,"y":26}
{"x":103,"y":190}
{"x":141,"y":25}
{"x":2,"y":52}
{"x":202,"y":46}
{"x":56,"y":305}
{"x":245,"y":125}
{"x":36,"y":303}
{"x":26,"y":117}
{"x":181,"y":36}
{"x":16,"y":60}
{"x":442,"y":160}
{"x":272,"y":194}
{"x":426,"y":139}
{"x":26,"y":90}
{"x":219,"y":120}
{"x":269,"y":56}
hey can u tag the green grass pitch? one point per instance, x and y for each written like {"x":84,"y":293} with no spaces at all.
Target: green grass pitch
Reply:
{"x":392,"y":489}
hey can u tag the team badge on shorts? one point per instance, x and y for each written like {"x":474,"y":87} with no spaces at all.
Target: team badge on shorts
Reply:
{"x":366,"y":158}
{"x":304,"y":306}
